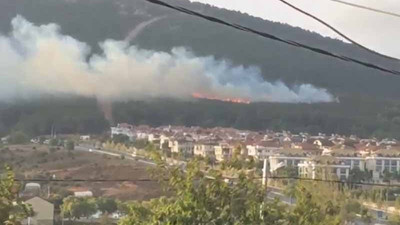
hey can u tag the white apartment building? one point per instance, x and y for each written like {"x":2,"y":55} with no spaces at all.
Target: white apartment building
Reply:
{"x":378,"y":164}
{"x":312,"y":169}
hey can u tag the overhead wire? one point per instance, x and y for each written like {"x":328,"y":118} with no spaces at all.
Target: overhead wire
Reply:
{"x":254,"y":178}
{"x":276,"y":38}
{"x":337,"y":31}
{"x":367,"y":8}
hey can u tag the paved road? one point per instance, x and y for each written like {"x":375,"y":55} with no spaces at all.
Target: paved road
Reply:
{"x":113,"y":153}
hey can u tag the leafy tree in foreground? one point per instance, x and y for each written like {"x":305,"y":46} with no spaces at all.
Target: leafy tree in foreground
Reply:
{"x":201,"y":199}
{"x":75,"y":208}
{"x":107,"y":205}
{"x":12,"y":210}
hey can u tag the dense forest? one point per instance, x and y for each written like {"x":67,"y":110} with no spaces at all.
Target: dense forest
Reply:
{"x":369,"y":100}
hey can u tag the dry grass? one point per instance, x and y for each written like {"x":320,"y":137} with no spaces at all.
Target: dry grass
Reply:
{"x":37,"y":161}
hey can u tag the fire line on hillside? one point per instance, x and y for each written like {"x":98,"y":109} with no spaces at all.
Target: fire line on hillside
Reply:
{"x":232,"y":100}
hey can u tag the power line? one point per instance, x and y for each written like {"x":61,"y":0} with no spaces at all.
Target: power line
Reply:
{"x":367,"y":8}
{"x":155,"y":180}
{"x":337,"y":31}
{"x":275,"y":38}
{"x":334,"y":181}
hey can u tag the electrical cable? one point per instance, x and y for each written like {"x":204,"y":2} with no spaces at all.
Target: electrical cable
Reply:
{"x":337,"y":31}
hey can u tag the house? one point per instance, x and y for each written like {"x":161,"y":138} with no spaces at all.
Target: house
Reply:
{"x":182,"y":146}
{"x":323,"y":143}
{"x":32,"y":189}
{"x":152,"y":138}
{"x":43,"y":212}
{"x":4,"y":140}
{"x":83,"y":194}
{"x":223,"y":152}
{"x":205,"y":149}
{"x":263,"y":149}
{"x":84,"y":137}
{"x":124,"y":129}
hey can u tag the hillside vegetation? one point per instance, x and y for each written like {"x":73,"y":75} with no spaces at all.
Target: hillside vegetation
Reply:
{"x":369,"y":100}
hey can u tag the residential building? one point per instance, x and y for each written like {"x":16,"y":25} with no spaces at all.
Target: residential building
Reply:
{"x":182,"y":146}
{"x":278,"y":161}
{"x":43,"y":212}
{"x":312,"y":169}
{"x":223,"y":152}
{"x":262,"y":150}
{"x":124,"y":129}
{"x":205,"y":149}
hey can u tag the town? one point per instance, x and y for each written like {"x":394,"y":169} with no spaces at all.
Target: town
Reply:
{"x":124,"y":153}
{"x":335,"y":154}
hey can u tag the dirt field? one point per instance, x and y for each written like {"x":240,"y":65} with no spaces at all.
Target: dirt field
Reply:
{"x":39,"y":162}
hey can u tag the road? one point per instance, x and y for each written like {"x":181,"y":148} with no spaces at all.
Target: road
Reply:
{"x":113,"y":153}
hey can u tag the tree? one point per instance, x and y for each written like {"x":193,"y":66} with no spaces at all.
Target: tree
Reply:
{"x":75,"y":208}
{"x":53,"y":142}
{"x":107,"y":205}
{"x":18,"y":137}
{"x":120,"y":139}
{"x":42,"y":139}
{"x":197,"y":199}
{"x":12,"y":209}
{"x":70,"y":145}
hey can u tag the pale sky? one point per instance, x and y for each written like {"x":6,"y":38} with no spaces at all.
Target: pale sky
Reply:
{"x":376,"y":31}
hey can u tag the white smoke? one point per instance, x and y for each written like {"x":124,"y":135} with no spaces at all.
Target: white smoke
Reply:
{"x":37,"y":60}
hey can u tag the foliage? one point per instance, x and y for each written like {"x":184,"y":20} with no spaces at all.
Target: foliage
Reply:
{"x":12,"y":209}
{"x":18,"y":137}
{"x":362,"y":110}
{"x":198,"y":199}
{"x":107,"y":205}
{"x":120,"y":139}
{"x":356,"y":175}
{"x":70,"y":145}
{"x":78,"y":207}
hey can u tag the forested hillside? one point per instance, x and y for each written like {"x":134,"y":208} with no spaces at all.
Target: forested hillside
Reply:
{"x":368,"y":99}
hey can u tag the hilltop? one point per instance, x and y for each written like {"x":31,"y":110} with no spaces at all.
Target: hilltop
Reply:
{"x":368,"y":99}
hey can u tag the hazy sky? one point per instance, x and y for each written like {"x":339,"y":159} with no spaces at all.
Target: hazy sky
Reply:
{"x":376,"y":31}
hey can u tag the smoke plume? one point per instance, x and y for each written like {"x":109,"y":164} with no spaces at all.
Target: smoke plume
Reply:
{"x":39,"y":60}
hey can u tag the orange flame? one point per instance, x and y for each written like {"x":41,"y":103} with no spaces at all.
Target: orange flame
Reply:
{"x":232,"y":100}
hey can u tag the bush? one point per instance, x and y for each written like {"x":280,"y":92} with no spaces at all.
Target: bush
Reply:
{"x":70,"y":145}
{"x":18,"y":138}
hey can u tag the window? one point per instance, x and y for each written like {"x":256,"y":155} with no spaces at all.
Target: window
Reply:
{"x":290,"y":162}
{"x":378,"y":162}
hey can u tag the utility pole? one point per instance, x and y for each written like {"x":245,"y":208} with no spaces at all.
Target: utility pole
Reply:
{"x":264,"y":185}
{"x":264,"y":177}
